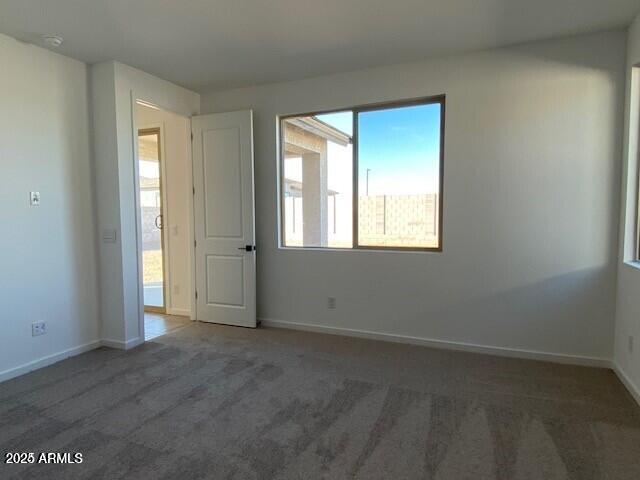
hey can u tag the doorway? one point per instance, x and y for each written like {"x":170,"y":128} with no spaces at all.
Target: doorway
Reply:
{"x":196,"y":223}
{"x":152,"y":219}
{"x":165,"y":241}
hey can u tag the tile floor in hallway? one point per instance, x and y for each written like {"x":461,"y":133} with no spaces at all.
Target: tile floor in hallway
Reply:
{"x":156,"y":324}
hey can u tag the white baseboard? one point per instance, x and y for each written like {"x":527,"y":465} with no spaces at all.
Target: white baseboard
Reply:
{"x":445,"y":344}
{"x":627,"y":382}
{"x":113,"y":343}
{"x":181,"y":312}
{"x":119,"y":344}
{"x":48,"y":360}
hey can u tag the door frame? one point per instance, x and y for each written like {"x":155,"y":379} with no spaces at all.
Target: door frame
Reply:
{"x":133,"y":100}
{"x":158,"y":129}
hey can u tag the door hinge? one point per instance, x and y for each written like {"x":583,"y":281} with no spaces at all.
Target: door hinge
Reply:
{"x":192,"y":136}
{"x":196,"y":294}
{"x":195,"y":244}
{"x":194,"y":190}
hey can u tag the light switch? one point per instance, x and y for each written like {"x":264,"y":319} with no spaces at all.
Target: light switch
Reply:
{"x":109,"y":235}
{"x":34,"y":199}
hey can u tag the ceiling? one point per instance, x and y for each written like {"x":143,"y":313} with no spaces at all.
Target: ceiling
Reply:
{"x":216,"y":44}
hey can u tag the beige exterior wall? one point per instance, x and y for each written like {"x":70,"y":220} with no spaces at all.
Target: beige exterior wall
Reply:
{"x":398,"y":220}
{"x":383,"y":220}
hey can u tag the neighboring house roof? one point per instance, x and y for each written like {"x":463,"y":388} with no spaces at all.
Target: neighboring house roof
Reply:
{"x":326,"y":132}
{"x":322,"y":129}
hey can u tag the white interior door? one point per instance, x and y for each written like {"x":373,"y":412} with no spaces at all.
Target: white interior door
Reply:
{"x":225,"y":256}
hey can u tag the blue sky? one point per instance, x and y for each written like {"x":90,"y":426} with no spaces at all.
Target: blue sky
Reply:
{"x":400,"y":146}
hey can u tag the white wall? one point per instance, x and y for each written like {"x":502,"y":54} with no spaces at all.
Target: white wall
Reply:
{"x":106,"y":195}
{"x":115,"y":87}
{"x":47,"y":259}
{"x":628,"y":299}
{"x":177,"y":183}
{"x":531,"y":194}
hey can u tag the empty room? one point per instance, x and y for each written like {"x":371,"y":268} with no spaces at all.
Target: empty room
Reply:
{"x":354,"y":239}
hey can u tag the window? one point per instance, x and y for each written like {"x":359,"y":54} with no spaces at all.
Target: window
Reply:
{"x":366,"y":177}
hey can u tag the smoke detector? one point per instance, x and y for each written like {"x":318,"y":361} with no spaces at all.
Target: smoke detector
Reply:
{"x":52,"y":40}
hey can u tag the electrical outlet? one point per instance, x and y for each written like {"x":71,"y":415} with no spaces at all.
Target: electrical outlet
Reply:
{"x":38,"y":328}
{"x":630,"y":344}
{"x":331,"y":303}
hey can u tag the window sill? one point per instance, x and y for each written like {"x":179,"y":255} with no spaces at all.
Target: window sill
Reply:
{"x":634,"y":264}
{"x":361,"y":250}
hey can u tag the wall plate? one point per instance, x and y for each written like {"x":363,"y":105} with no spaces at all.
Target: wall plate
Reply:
{"x":34,"y":199}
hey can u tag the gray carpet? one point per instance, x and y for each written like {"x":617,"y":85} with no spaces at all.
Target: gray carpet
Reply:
{"x":220,"y":402}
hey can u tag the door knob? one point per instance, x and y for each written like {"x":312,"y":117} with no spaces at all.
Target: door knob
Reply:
{"x":158,"y":222}
{"x":248,"y":248}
